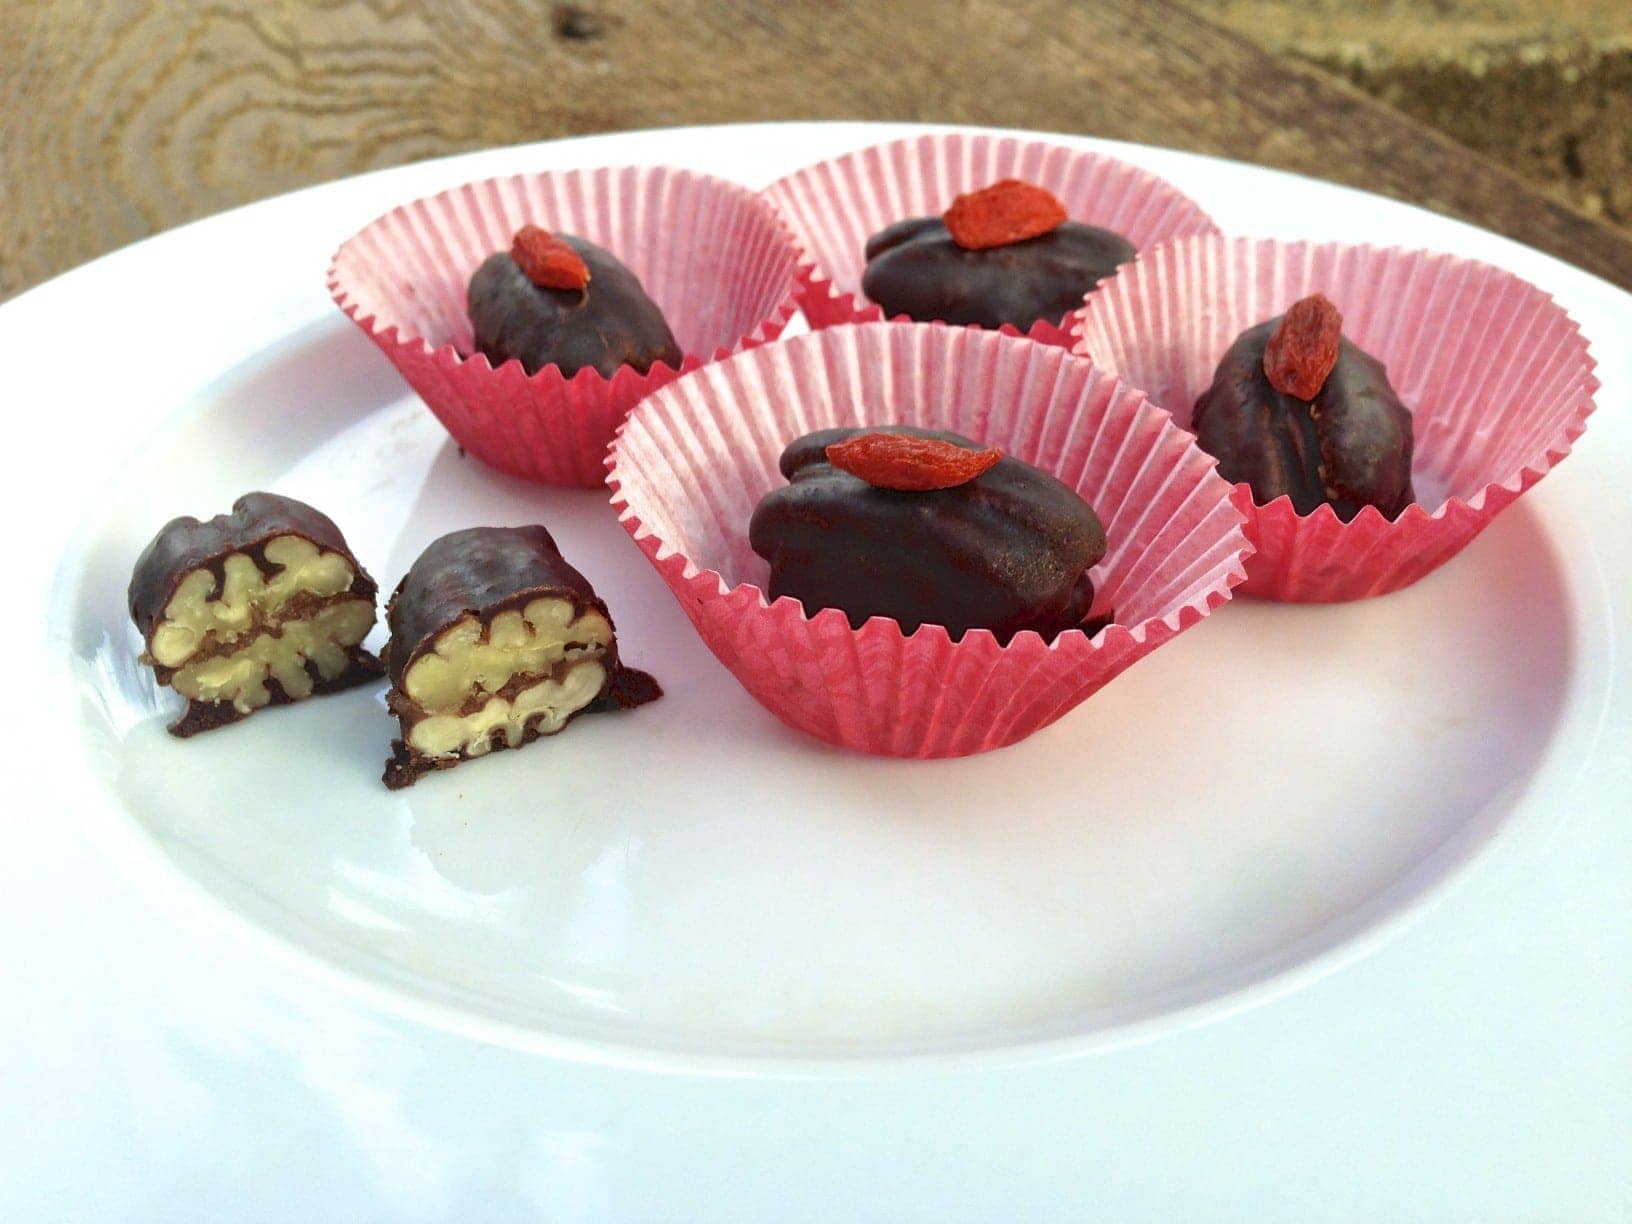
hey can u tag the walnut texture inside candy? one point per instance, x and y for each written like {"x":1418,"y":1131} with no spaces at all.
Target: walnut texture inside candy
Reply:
{"x":546,"y":703}
{"x":286,"y":653}
{"x":195,"y":623}
{"x":536,"y":666}
{"x":226,"y":645}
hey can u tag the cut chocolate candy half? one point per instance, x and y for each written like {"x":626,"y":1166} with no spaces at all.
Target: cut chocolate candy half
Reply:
{"x":258,"y":607}
{"x":495,"y":641}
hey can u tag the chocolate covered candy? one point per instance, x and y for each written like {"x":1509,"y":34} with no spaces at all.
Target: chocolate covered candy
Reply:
{"x":1006,"y":548}
{"x":495,"y":641}
{"x":258,"y":607}
{"x":1003,"y":255}
{"x":1296,"y":409}
{"x":554,"y":299}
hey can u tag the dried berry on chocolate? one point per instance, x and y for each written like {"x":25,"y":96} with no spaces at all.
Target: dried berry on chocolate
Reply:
{"x":1345,"y":443}
{"x":555,"y":299}
{"x":1003,"y":546}
{"x":1004,"y":254}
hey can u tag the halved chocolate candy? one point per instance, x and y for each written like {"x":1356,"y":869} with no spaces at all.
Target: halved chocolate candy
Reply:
{"x":258,"y":607}
{"x":495,"y":641}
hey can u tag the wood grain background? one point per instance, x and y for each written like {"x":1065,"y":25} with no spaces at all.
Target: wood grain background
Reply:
{"x":123,"y":117}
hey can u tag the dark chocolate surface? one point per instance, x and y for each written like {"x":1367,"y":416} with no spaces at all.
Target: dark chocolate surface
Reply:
{"x":1006,"y":551}
{"x":608,"y":324}
{"x":914,"y":268}
{"x":1350,"y":446}
{"x":186,"y":544}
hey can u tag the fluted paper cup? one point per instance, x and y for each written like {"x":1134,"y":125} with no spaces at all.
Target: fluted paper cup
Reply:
{"x":1497,"y":376}
{"x":693,"y":460}
{"x":834,"y":206}
{"x":713,"y":255}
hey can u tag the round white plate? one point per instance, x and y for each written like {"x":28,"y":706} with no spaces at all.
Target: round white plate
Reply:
{"x":690,"y":911}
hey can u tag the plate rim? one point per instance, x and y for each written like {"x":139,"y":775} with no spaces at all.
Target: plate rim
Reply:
{"x":1355,"y":945}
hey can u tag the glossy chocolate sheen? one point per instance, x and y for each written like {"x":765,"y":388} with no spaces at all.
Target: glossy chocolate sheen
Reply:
{"x":609,"y":323}
{"x":915,"y":269}
{"x":186,"y":544}
{"x":482,"y":571}
{"x":1350,"y":446}
{"x":1007,"y":551}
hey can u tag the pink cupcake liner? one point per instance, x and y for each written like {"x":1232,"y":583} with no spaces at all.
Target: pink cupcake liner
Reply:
{"x":834,"y":206}
{"x":693,"y":460}
{"x":1497,"y":375}
{"x":713,"y":255}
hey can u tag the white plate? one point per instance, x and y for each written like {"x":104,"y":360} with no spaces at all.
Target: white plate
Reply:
{"x":685,"y":948}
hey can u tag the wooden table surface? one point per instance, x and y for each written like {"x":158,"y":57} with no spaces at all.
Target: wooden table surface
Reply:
{"x":119,"y":118}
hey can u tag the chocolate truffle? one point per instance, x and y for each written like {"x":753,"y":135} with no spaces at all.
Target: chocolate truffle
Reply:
{"x":607,"y":323}
{"x":961,"y":268}
{"x":1347,"y":445}
{"x":1007,"y":551}
{"x":495,"y":641}
{"x":259,"y":607}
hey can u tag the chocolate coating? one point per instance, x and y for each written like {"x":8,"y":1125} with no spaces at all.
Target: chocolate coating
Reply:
{"x":1350,"y":446}
{"x":186,"y":544}
{"x":608,"y":324}
{"x":483,"y":571}
{"x":914,"y":268}
{"x":1007,"y":551}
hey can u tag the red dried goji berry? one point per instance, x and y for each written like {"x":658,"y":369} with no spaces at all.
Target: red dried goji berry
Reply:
{"x":548,"y":261}
{"x":914,"y":465}
{"x":1303,"y":349}
{"x":1007,"y":211}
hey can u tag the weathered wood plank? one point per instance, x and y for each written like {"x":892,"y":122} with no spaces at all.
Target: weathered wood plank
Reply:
{"x":122,"y":117}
